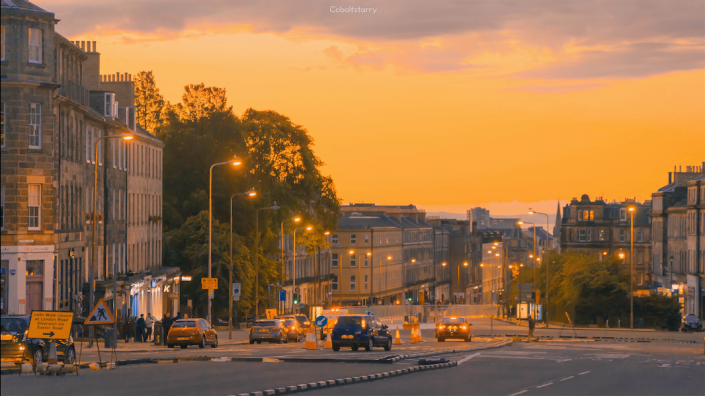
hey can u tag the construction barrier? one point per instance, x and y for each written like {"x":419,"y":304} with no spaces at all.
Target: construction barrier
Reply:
{"x":310,"y":339}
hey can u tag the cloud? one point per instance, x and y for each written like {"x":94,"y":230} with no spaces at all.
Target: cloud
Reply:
{"x":588,"y":38}
{"x":556,"y":89}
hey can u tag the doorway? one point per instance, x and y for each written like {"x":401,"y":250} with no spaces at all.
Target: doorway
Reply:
{"x":35,"y":284}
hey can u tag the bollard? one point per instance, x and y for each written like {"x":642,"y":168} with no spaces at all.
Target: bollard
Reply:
{"x":158,"y":333}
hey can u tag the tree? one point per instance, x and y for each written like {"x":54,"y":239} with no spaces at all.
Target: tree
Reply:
{"x":199,"y":102}
{"x":149,"y":103}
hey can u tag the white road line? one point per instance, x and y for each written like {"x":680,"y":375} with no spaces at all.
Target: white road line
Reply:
{"x":519,"y":393}
{"x":465,"y":359}
{"x":567,"y":378}
{"x":541,"y":386}
{"x":584,"y":372}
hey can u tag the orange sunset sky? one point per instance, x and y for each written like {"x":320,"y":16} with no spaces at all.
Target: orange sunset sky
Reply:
{"x":448,"y":105}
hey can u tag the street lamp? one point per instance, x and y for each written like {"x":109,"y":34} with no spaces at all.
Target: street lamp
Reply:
{"x":293,"y":275}
{"x":273,"y":207}
{"x":631,"y":209}
{"x":234,"y":162}
{"x":670,"y":267}
{"x":295,"y":219}
{"x":91,"y":296}
{"x":250,"y":193}
{"x":531,"y":212}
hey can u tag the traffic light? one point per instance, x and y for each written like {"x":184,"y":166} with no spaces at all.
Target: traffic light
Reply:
{"x":296,"y":298}
{"x":409,"y":296}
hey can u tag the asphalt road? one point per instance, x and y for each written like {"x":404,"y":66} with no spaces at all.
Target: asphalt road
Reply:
{"x":562,"y":368}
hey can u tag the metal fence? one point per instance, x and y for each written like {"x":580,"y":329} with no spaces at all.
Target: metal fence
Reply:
{"x":426,"y":313}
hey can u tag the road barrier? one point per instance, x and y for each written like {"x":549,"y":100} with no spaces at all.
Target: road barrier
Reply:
{"x":311,"y":339}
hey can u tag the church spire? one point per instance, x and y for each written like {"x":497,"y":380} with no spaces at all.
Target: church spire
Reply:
{"x":557,"y":224}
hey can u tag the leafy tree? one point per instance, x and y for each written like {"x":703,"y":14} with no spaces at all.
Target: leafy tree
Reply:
{"x":199,"y":102}
{"x":149,"y":103}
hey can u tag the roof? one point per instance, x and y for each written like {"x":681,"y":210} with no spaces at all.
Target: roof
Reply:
{"x":407,"y":222}
{"x":143,"y":133}
{"x":24,"y":7}
{"x":357,"y":222}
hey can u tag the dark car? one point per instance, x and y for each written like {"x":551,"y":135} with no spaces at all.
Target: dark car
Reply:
{"x":691,"y":323}
{"x":17,"y":348}
{"x":453,"y":327}
{"x":360,"y":330}
{"x":293,"y":329}
{"x":269,"y":330}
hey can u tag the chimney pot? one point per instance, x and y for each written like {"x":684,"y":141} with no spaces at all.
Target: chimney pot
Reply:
{"x":94,"y":50}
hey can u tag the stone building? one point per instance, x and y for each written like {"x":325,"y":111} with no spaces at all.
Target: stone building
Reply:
{"x":55,"y":108}
{"x":458,"y":264}
{"x":604,"y":228}
{"x":678,"y":226}
{"x":441,"y":254}
{"x":312,"y":272}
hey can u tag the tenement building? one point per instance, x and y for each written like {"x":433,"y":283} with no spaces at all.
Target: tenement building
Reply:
{"x":678,"y":221}
{"x":604,"y":228}
{"x":63,"y":124}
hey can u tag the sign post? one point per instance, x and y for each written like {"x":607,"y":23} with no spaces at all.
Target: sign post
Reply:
{"x":101,"y":315}
{"x":50,"y":325}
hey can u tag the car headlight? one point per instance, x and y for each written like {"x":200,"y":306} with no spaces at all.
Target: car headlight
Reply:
{"x":464,"y":327}
{"x":441,"y":327}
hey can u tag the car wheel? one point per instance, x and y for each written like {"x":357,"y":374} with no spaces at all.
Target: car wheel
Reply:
{"x":38,"y":356}
{"x":70,"y":356}
{"x":202,"y":344}
{"x":388,"y":345}
{"x":370,"y":344}
{"x":184,"y":346}
{"x":336,"y":347}
{"x":215,"y":343}
{"x":468,"y":339}
{"x":169,"y":345}
{"x":355,"y":347}
{"x":252,"y":342}
{"x":441,"y":339}
{"x":286,"y":339}
{"x":259,"y":342}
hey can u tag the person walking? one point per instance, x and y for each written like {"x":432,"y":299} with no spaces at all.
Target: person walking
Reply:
{"x":532,"y":326}
{"x":166,"y":324}
{"x":149,"y":321}
{"x":140,"y":329}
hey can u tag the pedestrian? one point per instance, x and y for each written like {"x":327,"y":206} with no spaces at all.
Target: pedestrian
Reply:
{"x":532,"y":326}
{"x":177,"y":317}
{"x":140,"y":329}
{"x":149,"y":321}
{"x":166,"y":324}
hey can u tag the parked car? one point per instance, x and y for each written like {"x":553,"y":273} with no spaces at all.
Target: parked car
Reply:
{"x":453,"y":327}
{"x":269,"y":330}
{"x":360,"y":330}
{"x":293,"y":329}
{"x":17,"y":348}
{"x":192,"y":331}
{"x":691,"y":323}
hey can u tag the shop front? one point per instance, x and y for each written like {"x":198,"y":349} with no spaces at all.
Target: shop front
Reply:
{"x":27,"y":274}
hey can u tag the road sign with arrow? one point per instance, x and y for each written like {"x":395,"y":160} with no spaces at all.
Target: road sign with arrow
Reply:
{"x":50,"y":325}
{"x":100,"y":315}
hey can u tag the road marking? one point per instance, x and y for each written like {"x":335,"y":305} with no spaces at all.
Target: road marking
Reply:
{"x":567,"y":378}
{"x":519,"y":393}
{"x":465,"y":359}
{"x":584,"y":372}
{"x":547,"y":384}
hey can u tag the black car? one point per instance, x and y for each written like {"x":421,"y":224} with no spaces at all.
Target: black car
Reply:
{"x":691,"y":323}
{"x":17,"y":348}
{"x":360,"y":330}
{"x":453,"y":327}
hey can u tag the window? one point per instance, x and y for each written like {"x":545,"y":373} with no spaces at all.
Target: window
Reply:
{"x":2,"y":121}
{"x":353,"y":283}
{"x":581,"y":235}
{"x":353,"y":239}
{"x":367,"y":261}
{"x":640,"y":236}
{"x":334,"y":283}
{"x":622,"y":214}
{"x":589,"y":235}
{"x":334,"y":260}
{"x":353,"y":261}
{"x":2,"y":42}
{"x":34,"y":202}
{"x":334,"y":239}
{"x":34,"y":267}
{"x":622,"y":236}
{"x":367,"y":239}
{"x":35,"y":125}
{"x":35,"y":46}
{"x":366,"y":281}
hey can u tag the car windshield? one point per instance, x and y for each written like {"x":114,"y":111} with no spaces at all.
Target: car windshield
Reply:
{"x":349,"y":321}
{"x":691,"y":319}
{"x":290,"y":322}
{"x":266,"y":323}
{"x":185,"y":323}
{"x":301,"y":319}
{"x":13,"y":325}
{"x":453,"y":321}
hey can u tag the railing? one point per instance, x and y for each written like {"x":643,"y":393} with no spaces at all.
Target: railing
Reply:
{"x":75,"y":92}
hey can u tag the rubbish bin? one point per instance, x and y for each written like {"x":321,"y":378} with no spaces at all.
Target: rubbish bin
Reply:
{"x":109,"y":335}
{"x":158,"y":333}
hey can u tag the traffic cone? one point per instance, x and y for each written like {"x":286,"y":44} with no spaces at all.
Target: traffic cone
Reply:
{"x":418,"y":334}
{"x":310,"y":340}
{"x":397,"y":339}
{"x":329,"y":342}
{"x":413,"y":335}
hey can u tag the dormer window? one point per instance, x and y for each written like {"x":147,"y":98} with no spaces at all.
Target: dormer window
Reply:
{"x":110,"y":105}
{"x":622,"y":214}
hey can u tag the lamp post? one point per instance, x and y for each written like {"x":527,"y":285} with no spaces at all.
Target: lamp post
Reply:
{"x":250,"y":193}
{"x":91,"y":296}
{"x":631,"y":209}
{"x":235,"y":162}
{"x":295,"y":219}
{"x":465,"y":264}
{"x":670,"y":267}
{"x":293,"y":275}
{"x":273,"y":207}
{"x":545,"y":311}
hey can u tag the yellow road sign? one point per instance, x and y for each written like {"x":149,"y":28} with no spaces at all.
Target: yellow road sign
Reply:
{"x":271,"y":313}
{"x":209,"y":283}
{"x":100,"y":315}
{"x":50,"y":325}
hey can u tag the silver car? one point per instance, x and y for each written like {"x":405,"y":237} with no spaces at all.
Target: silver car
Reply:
{"x":269,"y":330}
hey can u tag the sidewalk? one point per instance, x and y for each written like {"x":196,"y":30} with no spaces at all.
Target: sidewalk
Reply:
{"x":240,"y":337}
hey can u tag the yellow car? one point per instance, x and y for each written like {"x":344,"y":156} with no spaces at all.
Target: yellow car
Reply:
{"x":192,"y":331}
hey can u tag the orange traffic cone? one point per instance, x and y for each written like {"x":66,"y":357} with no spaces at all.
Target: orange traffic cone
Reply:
{"x":329,"y":342}
{"x":413,"y":335}
{"x":418,"y":334}
{"x":397,"y":339}
{"x":310,"y":340}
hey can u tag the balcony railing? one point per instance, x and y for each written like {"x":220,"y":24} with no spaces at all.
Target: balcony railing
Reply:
{"x":74,"y":92}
